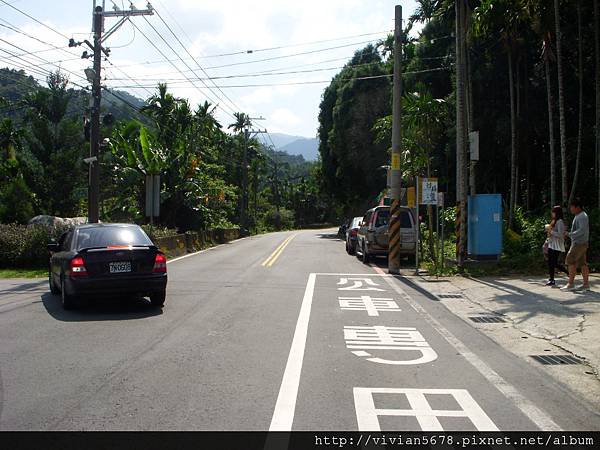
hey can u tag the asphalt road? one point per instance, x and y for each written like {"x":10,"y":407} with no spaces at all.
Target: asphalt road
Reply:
{"x":280,"y":331}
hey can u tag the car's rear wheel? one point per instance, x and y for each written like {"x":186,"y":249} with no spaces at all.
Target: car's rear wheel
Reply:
{"x":53,"y":289}
{"x":68,"y":301}
{"x":158,"y":298}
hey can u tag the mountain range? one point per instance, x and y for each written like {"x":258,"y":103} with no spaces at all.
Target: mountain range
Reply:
{"x":296,"y":145}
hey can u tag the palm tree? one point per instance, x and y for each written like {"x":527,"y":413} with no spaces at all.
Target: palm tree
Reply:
{"x":506,"y":17}
{"x":424,"y":11}
{"x":542,"y":24}
{"x":242,"y":123}
{"x":597,"y":45}
{"x":580,"y":126}
{"x":161,"y":107}
{"x":561,"y":103}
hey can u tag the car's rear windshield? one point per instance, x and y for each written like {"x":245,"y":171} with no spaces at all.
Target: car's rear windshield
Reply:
{"x":383,"y":217}
{"x":111,"y":236}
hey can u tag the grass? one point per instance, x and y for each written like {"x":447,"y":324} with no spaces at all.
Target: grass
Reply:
{"x":23,"y":273}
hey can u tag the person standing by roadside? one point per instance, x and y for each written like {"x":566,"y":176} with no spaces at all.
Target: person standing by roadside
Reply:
{"x":580,"y":236}
{"x":556,"y":244}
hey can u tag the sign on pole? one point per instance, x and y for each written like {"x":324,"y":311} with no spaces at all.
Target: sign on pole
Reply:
{"x":474,"y":145}
{"x":429,"y":191}
{"x":152,"y":195}
{"x":410,"y":197}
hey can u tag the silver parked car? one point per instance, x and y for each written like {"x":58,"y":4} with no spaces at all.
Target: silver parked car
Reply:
{"x":352,"y":235}
{"x":373,"y":237}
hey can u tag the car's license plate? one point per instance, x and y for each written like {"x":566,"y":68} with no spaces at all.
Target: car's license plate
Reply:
{"x":119,"y":267}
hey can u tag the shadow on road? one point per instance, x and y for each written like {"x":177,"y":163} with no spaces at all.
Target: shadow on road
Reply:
{"x":406,"y":268}
{"x":101,"y":308}
{"x":332,"y":236}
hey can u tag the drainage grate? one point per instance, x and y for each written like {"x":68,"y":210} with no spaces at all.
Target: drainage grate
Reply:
{"x":487,"y":319}
{"x":556,"y":360}
{"x":450,"y":295}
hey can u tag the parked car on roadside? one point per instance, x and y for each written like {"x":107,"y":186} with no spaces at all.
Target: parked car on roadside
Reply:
{"x":373,"y":237}
{"x":104,"y":259}
{"x":352,"y":235}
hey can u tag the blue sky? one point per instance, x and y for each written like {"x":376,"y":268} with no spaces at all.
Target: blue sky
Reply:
{"x":208,"y":29}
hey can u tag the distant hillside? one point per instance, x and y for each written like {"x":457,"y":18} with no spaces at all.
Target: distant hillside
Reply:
{"x":15,"y":85}
{"x":308,"y":148}
{"x":281,"y":139}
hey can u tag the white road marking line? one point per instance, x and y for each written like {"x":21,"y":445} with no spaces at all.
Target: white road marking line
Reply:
{"x":358,"y":284}
{"x":404,"y":339}
{"x":367,"y":414}
{"x":542,"y":420}
{"x":206,"y":250}
{"x":367,"y":303}
{"x":283,"y":416}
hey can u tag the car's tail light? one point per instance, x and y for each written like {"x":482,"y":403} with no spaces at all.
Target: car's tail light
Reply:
{"x":160,"y":263}
{"x":78,"y":267}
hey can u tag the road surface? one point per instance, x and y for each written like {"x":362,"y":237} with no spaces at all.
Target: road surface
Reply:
{"x":280,"y":331}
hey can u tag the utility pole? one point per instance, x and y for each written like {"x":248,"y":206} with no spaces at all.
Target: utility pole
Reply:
{"x":94,"y":168}
{"x":395,"y":171}
{"x":461,"y":149}
{"x":94,"y":76}
{"x":243,"y":219}
{"x":248,"y":133}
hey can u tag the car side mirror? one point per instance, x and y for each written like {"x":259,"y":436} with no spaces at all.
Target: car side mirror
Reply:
{"x":53,"y":247}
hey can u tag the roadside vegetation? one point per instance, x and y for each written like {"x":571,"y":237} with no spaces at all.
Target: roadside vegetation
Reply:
{"x":533,"y":91}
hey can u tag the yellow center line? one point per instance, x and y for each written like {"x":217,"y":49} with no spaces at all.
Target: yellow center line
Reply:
{"x":273,"y":257}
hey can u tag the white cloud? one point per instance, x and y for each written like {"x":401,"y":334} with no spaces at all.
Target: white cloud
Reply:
{"x":215,"y":27}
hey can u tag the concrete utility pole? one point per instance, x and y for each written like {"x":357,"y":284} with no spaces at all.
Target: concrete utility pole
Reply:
{"x":244,"y":205}
{"x":94,"y":167}
{"x":94,"y":76}
{"x":461,"y":134}
{"x":396,"y":173}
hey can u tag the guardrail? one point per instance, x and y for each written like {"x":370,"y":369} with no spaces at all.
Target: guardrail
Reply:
{"x":181,"y":244}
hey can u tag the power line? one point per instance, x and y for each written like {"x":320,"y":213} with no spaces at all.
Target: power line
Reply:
{"x":274,"y":58}
{"x":246,"y":52}
{"x":259,"y":74}
{"x":309,"y":82}
{"x":173,"y":64}
{"x":35,"y":20}
{"x":235,"y":107}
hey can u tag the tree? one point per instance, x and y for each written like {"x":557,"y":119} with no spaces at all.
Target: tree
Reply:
{"x":542,"y":22}
{"x":597,"y":115}
{"x":580,"y":118}
{"x":507,"y":17}
{"x":55,"y":148}
{"x":561,"y":103}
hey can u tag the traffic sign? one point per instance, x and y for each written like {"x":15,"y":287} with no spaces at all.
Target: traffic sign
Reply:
{"x":429,"y":191}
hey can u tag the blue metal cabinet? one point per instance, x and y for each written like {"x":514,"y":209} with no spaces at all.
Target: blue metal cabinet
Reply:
{"x":485,"y":226}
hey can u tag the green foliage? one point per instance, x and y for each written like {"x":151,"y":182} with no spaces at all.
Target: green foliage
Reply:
{"x":25,"y":246}
{"x":16,"y":201}
{"x":277,"y":220}
{"x":155,"y":232}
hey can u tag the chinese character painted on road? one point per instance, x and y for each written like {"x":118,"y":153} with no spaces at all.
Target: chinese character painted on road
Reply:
{"x":357,"y":284}
{"x":369,"y":304}
{"x":367,"y":413}
{"x":402,"y":339}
